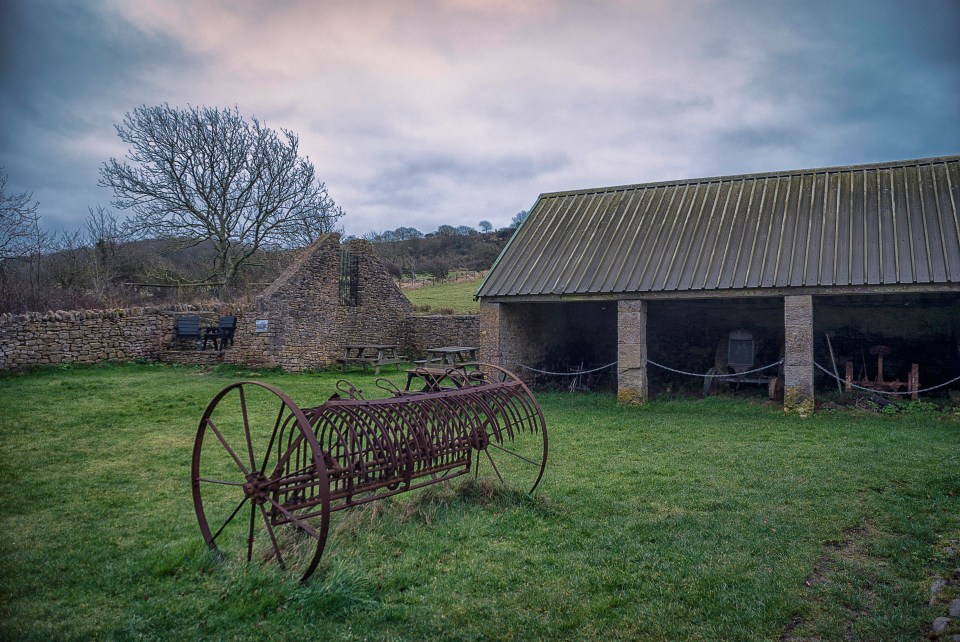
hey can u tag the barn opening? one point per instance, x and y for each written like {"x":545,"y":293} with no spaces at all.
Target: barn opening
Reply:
{"x":547,"y":339}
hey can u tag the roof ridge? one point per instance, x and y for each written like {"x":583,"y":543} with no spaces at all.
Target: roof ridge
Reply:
{"x":757,"y":175}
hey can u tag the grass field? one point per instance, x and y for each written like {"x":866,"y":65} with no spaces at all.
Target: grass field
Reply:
{"x":693,"y":520}
{"x":456,"y":296}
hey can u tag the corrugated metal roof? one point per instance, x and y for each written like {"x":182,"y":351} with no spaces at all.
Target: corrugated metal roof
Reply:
{"x":891,"y":223}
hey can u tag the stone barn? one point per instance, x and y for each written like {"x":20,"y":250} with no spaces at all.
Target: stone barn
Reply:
{"x":818,"y":266}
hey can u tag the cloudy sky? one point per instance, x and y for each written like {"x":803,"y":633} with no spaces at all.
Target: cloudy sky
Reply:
{"x":428,"y":112}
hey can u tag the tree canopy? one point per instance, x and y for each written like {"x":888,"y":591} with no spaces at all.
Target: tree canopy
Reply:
{"x":207,"y":174}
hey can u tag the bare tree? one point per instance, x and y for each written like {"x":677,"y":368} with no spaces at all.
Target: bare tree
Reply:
{"x":18,"y":221}
{"x":110,"y":255}
{"x":206,"y":174}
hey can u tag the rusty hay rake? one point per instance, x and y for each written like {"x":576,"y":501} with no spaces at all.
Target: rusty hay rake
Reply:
{"x":267,"y":475}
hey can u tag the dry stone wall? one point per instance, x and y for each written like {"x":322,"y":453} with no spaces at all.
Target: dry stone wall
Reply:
{"x":424,"y":332}
{"x":299,"y":322}
{"x":87,"y":336}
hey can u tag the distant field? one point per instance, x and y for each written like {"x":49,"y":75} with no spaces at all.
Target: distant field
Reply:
{"x":456,"y":296}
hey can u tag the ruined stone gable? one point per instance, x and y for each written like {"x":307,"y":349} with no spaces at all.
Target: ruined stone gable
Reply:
{"x":331,"y":296}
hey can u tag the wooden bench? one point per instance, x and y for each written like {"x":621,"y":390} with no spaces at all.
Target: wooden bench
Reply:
{"x":186,"y":329}
{"x":452,"y":355}
{"x":222,"y":333}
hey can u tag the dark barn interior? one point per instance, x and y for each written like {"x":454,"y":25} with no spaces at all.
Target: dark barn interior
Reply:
{"x":563,"y":338}
{"x":691,"y":335}
{"x":915,"y":328}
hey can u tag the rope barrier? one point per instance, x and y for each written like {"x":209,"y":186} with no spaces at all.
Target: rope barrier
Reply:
{"x":567,"y":374}
{"x":714,"y":376}
{"x":700,"y":375}
{"x":884,"y":392}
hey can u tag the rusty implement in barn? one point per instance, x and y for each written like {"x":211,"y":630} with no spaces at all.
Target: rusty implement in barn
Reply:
{"x":740,"y":356}
{"x":912,"y":384}
{"x":267,"y":475}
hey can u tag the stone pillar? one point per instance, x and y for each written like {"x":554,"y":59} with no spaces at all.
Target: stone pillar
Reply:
{"x":632,"y":351}
{"x":490,"y":323}
{"x":798,"y":354}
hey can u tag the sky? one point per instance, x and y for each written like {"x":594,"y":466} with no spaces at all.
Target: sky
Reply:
{"x":423,"y":113}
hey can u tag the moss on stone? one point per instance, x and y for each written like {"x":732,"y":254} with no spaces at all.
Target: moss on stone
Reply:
{"x":630,"y":396}
{"x":797,"y":401}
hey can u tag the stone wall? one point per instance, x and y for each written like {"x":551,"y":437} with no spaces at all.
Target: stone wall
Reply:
{"x":88,"y":336}
{"x":798,"y":354}
{"x":632,"y":352}
{"x":304,"y":321}
{"x":424,"y":332}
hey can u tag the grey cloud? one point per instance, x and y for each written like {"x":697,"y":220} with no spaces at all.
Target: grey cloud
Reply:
{"x":449,"y":113}
{"x":747,"y":137}
{"x":68,"y":74}
{"x":418,"y":170}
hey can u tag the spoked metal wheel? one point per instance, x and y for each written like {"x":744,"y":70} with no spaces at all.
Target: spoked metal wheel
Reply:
{"x":512,"y":446}
{"x":713,"y":383}
{"x":260,"y":485}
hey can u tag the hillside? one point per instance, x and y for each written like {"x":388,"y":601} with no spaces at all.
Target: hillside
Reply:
{"x":438,"y":254}
{"x":445,"y":297}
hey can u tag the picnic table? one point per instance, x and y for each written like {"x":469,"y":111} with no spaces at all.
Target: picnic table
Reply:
{"x":376,"y":355}
{"x":452,"y":355}
{"x":437,"y":379}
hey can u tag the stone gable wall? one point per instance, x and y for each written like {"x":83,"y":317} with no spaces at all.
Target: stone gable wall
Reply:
{"x":308,"y":326}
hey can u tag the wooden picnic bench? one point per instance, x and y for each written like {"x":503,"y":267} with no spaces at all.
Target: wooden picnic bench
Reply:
{"x":451,"y":355}
{"x":376,"y":355}
{"x":438,"y":379}
{"x":188,"y":329}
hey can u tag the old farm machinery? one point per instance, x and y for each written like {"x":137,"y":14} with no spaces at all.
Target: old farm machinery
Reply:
{"x":740,"y":356}
{"x":267,"y":475}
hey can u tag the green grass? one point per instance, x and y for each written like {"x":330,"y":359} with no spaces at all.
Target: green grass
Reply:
{"x":456,"y":296}
{"x":682,"y":520}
